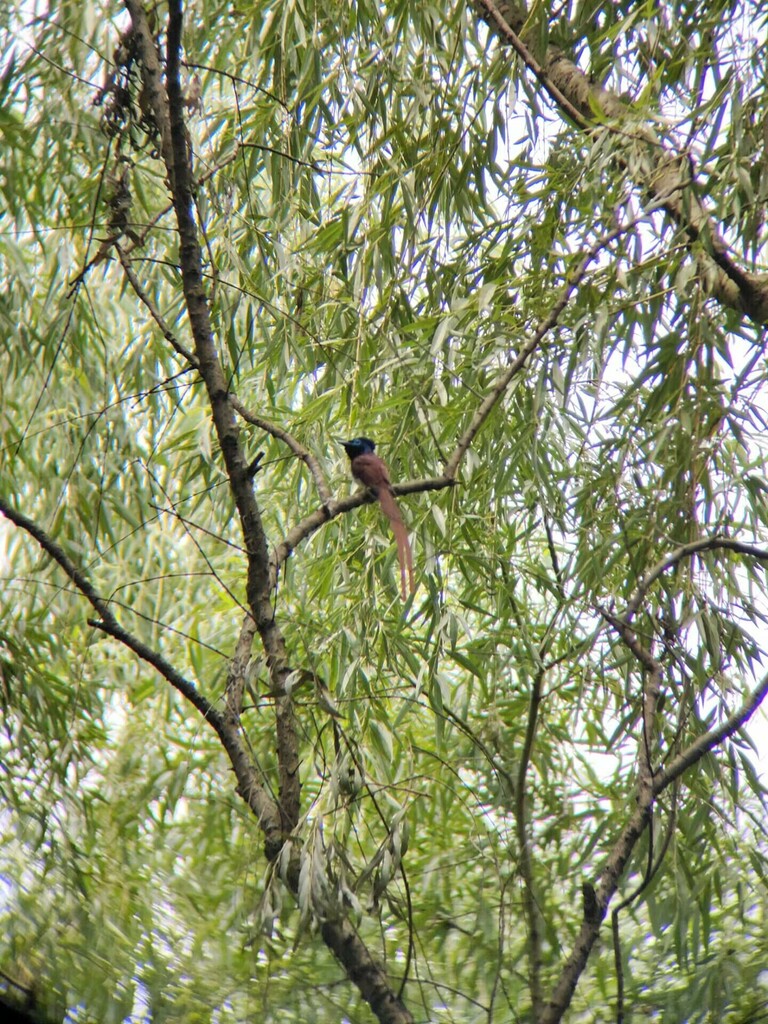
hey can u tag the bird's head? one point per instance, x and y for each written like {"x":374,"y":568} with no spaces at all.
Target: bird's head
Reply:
{"x":358,"y":446}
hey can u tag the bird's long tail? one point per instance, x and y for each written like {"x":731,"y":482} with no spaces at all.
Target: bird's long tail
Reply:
{"x":404,"y":554}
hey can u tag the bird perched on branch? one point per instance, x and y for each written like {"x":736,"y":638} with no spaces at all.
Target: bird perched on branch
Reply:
{"x":371,"y":471}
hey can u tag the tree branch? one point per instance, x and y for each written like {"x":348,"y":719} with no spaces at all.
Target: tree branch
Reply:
{"x":522,"y":810}
{"x":518,"y":362}
{"x":650,"y":783}
{"x":360,"y":966}
{"x":687,"y":551}
{"x":154,"y":312}
{"x":238,"y":667}
{"x":365,"y":972}
{"x":663,"y":176}
{"x":262,"y":806}
{"x":312,"y":522}
{"x":652,"y":676}
{"x":168,"y":112}
{"x":310,"y":461}
{"x":590,"y":926}
{"x":709,"y":740}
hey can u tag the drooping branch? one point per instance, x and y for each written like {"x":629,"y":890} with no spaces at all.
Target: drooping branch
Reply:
{"x":662,"y":175}
{"x":260,"y":803}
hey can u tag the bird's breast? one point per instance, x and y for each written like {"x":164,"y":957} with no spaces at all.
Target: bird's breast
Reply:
{"x":370,"y":471}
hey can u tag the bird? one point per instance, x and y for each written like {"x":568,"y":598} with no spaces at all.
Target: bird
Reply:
{"x":372,"y":472}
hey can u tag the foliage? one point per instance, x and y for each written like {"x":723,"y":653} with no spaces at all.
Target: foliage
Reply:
{"x":520,"y":248}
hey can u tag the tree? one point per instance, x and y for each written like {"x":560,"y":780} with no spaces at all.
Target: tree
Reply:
{"x":521,"y":248}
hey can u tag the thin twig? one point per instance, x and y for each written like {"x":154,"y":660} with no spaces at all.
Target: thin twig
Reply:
{"x":709,"y":740}
{"x":310,"y":461}
{"x":154,"y":312}
{"x":687,"y":551}
{"x":516,"y":364}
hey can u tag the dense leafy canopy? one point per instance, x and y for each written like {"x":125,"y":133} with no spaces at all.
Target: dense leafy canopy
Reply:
{"x":524,"y":249}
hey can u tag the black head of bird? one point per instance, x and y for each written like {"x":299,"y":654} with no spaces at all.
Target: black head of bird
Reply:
{"x":359,"y":446}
